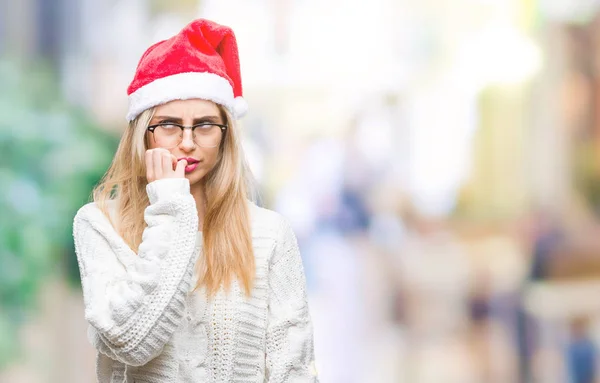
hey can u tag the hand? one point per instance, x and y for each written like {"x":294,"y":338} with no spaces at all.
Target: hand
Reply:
{"x":160,"y":164}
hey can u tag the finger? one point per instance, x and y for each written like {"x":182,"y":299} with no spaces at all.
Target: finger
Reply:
{"x":173,"y":162}
{"x":180,"y":169}
{"x":149,"y":168}
{"x":167,"y":164}
{"x":157,"y":164}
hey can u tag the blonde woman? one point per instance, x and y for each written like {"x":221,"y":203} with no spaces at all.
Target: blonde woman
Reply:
{"x":185,"y":279}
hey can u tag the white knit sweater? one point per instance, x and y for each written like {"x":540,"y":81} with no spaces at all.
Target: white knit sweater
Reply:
{"x":146,"y":324}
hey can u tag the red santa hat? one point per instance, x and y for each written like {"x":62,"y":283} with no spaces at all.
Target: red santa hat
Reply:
{"x":201,"y":61}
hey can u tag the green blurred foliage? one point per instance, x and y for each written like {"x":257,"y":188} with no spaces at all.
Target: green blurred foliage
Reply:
{"x":52,"y":155}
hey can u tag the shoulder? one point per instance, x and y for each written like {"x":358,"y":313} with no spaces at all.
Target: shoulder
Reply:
{"x":86,"y":212}
{"x":273,"y":225}
{"x":262,"y":216}
{"x":91,"y":226}
{"x":267,"y":221}
{"x":91,"y":213}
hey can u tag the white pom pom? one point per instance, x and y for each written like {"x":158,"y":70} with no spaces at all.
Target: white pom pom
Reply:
{"x":240,"y":107}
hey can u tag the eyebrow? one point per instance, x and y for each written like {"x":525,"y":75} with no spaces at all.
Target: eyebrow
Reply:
{"x":215,"y":119}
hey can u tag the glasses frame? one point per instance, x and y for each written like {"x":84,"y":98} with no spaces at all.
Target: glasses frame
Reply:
{"x":223,"y":128}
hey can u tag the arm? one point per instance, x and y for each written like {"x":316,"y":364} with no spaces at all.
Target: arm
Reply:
{"x":290,"y":350}
{"x":134,"y":302}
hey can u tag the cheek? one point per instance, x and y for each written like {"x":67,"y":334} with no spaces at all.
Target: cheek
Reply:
{"x":210,"y":161}
{"x":210,"y":158}
{"x":149,"y":141}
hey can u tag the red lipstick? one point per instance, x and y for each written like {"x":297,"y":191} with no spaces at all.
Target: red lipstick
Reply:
{"x":192,"y":164}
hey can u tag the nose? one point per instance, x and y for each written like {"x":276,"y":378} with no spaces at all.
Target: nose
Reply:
{"x":187,"y":140}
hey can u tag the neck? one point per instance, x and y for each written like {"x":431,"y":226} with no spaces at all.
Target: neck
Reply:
{"x":197,"y":191}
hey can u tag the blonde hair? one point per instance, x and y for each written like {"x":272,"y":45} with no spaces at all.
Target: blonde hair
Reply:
{"x":227,"y":248}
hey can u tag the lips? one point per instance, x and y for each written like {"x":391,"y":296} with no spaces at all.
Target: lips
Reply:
{"x":191,"y":167}
{"x":189,"y":160}
{"x":192,"y":163}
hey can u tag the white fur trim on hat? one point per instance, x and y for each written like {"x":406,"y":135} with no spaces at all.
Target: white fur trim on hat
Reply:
{"x":183,"y":86}
{"x":240,"y":107}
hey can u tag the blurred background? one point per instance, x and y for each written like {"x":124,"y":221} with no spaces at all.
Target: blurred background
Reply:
{"x":438,"y":161}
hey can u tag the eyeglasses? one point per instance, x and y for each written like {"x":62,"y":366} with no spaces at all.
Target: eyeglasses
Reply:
{"x":169,"y":135}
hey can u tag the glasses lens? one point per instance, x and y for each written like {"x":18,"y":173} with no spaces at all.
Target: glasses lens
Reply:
{"x":170,"y":136}
{"x":208,"y":136}
{"x":167,"y":136}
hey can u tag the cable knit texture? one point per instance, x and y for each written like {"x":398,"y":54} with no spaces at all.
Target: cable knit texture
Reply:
{"x":149,"y":326}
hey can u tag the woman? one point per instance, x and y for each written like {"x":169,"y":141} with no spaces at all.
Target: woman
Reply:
{"x":184,"y":279}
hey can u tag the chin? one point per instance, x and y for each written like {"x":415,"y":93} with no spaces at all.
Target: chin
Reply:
{"x":195,"y":177}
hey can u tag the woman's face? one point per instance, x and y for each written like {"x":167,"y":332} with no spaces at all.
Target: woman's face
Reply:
{"x":195,"y":147}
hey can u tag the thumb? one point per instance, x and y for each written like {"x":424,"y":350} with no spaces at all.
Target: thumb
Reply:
{"x":180,"y":169}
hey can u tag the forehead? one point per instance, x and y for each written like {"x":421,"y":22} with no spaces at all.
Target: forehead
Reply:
{"x":188,"y":108}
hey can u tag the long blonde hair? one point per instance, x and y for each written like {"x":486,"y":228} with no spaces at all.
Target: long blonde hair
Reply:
{"x":227,"y":241}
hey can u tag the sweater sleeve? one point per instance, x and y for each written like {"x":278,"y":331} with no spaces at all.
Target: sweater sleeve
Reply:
{"x":290,"y":350}
{"x":134,"y":302}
